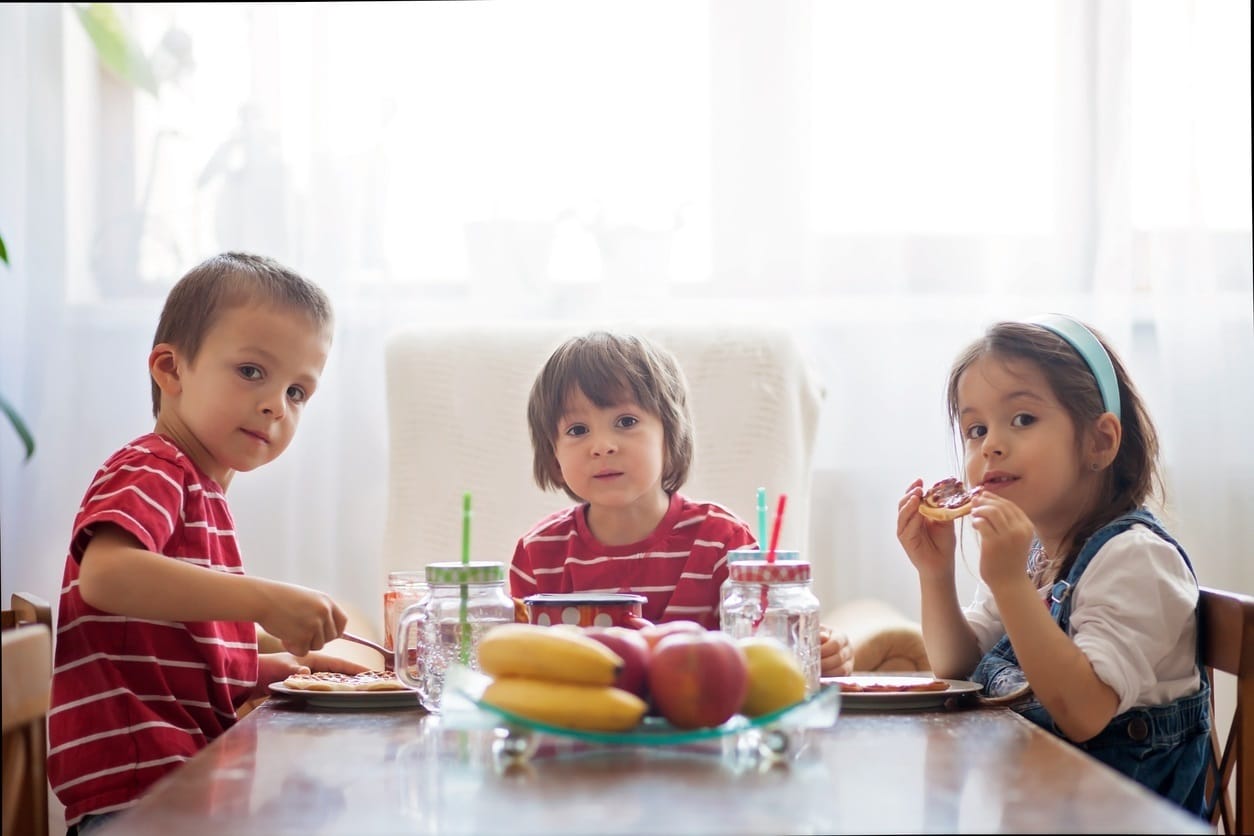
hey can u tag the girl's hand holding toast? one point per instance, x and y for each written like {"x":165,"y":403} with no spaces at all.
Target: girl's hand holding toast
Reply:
{"x":1005,"y":537}
{"x":303,"y":619}
{"x":929,"y":544}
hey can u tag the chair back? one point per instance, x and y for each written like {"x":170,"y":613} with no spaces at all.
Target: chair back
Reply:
{"x":457,"y":419}
{"x":27,"y":608}
{"x":1227,"y":632}
{"x":27,"y":684}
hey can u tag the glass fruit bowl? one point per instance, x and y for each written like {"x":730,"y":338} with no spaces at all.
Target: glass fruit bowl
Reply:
{"x":771,"y":735}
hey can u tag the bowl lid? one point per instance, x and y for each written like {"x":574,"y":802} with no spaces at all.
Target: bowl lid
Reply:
{"x":576,"y":598}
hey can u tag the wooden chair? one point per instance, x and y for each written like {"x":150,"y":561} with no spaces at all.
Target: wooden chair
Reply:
{"x":27,"y":609}
{"x":27,"y":684}
{"x":1227,"y":628}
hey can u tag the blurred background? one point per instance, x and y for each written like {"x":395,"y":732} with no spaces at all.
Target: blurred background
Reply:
{"x":887,"y":178}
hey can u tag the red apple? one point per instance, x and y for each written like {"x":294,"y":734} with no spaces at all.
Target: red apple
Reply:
{"x":698,"y":680}
{"x":629,"y":644}
{"x":654,"y":633}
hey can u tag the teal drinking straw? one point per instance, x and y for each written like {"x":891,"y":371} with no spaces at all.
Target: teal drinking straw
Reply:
{"x":761,"y":518}
{"x":465,"y":621}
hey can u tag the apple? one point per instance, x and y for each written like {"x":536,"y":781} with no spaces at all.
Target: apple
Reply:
{"x":698,"y":680}
{"x":654,"y":633}
{"x":630,"y":645}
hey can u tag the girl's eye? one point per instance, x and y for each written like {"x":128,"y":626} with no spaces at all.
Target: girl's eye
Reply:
{"x":1023,"y":420}
{"x":296,"y":394}
{"x":628,"y":421}
{"x":975,"y":431}
{"x":576,"y":430}
{"x":250,"y":372}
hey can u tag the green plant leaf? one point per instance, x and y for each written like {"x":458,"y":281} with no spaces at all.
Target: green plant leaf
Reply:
{"x":117,"y":49}
{"x":28,"y":441}
{"x":4,"y":254}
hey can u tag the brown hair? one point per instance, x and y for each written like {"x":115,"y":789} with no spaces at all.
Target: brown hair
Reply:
{"x":226,"y":281}
{"x":1133,"y":476}
{"x":609,"y":368}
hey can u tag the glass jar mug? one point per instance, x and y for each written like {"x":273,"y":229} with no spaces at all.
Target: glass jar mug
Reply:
{"x":775,"y":599}
{"x":404,"y":589}
{"x":464,"y":601}
{"x":747,"y":553}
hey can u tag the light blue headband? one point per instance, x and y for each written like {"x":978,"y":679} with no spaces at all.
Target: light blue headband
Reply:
{"x":1091,"y":351}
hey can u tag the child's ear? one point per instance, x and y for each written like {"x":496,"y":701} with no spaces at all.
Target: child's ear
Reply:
{"x":1104,"y":440}
{"x":164,"y":364}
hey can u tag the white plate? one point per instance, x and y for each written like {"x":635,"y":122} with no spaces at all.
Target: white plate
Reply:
{"x":898,"y":700}
{"x":351,"y":699}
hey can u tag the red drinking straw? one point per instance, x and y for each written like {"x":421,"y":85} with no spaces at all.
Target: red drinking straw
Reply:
{"x":770,"y":558}
{"x":779,"y":516}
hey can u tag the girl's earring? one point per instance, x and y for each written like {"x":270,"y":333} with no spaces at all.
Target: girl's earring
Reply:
{"x":1095,"y":466}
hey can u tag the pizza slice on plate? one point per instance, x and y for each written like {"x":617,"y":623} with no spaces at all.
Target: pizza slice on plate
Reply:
{"x":329,"y":681}
{"x":888,"y":684}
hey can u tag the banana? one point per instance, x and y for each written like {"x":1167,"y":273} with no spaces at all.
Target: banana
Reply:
{"x":535,"y":652}
{"x":565,"y":704}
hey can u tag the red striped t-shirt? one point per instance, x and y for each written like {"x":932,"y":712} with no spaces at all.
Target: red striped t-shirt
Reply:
{"x":679,"y":568}
{"x":134,"y":698}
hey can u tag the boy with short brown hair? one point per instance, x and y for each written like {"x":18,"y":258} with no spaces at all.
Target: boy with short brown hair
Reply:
{"x":157,"y":640}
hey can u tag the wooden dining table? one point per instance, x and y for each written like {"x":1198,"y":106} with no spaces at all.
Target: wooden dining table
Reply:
{"x":292,"y":767}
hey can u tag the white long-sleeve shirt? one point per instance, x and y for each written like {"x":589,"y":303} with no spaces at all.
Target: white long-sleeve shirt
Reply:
{"x":1133,"y":614}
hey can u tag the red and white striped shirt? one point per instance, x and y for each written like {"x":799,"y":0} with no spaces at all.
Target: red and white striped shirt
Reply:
{"x":134,"y":698}
{"x":679,"y":568}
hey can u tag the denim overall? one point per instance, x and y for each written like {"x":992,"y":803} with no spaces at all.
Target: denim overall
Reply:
{"x":1166,"y":747}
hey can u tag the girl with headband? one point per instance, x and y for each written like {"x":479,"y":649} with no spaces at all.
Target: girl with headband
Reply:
{"x":1061,"y":456}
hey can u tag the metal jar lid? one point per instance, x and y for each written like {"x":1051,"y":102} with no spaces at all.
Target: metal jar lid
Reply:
{"x":483,"y":571}
{"x":406,"y":578}
{"x":762,"y":571}
{"x":737,"y":555}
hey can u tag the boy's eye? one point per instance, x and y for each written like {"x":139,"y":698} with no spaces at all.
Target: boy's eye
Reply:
{"x":576,"y":430}
{"x":296,"y":394}
{"x":1022,"y":420}
{"x":975,"y":431}
{"x":250,"y":372}
{"x":628,"y":421}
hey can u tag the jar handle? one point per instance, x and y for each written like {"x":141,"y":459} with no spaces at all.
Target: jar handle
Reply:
{"x":413,"y":615}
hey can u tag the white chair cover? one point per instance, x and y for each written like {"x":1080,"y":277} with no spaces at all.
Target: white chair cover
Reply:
{"x":457,"y":398}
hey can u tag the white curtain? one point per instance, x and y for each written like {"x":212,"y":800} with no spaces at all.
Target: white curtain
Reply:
{"x":888,"y":177}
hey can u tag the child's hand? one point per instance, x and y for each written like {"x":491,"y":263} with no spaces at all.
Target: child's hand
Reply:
{"x":835,"y":653}
{"x":317,"y":662}
{"x":1005,"y":537}
{"x":276,"y":667}
{"x":929,"y":544}
{"x":303,"y":619}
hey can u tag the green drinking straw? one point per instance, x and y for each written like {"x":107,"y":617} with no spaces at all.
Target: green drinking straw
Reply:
{"x":761,"y":518}
{"x":465,"y":621}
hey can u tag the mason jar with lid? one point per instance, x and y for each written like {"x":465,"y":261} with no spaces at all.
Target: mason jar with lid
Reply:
{"x":776,"y":599}
{"x":403,"y":590}
{"x":747,"y":553}
{"x":464,"y":601}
